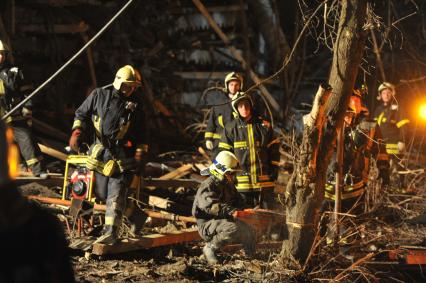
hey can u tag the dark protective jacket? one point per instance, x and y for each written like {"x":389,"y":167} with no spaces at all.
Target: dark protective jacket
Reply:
{"x":11,"y":81}
{"x":220,"y":116}
{"x":119,"y":125}
{"x":257,"y":150}
{"x":32,"y":240}
{"x":392,"y":124}
{"x":215,"y":199}
{"x":360,"y":145}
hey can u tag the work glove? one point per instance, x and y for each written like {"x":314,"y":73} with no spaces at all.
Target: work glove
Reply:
{"x":209,"y":144}
{"x":401,"y":147}
{"x":75,"y":140}
{"x":384,"y":175}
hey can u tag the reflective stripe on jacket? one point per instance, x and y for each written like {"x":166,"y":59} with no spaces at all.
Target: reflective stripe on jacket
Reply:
{"x":392,"y":123}
{"x":119,"y":125}
{"x":257,"y":150}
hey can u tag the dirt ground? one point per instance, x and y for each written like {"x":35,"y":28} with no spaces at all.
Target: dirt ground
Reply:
{"x":393,"y":220}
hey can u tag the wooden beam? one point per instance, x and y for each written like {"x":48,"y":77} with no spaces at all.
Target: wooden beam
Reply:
{"x":148,"y":241}
{"x":49,"y":130}
{"x":53,"y":152}
{"x":275,"y":106}
{"x":177,"y":173}
{"x":168,"y":205}
{"x":157,"y":182}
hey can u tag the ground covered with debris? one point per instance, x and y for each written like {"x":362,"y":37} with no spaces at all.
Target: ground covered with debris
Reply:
{"x":374,"y":247}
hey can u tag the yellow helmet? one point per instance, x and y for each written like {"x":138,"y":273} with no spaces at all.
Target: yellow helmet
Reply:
{"x":127,"y":75}
{"x":239,"y":96}
{"x":3,"y":46}
{"x":9,"y":157}
{"x":386,"y":85}
{"x":233,"y":76}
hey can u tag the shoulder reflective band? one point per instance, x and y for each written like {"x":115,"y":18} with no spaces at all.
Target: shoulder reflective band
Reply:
{"x":402,"y":123}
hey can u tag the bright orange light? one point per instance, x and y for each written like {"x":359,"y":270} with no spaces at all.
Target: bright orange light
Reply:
{"x":422,"y":111}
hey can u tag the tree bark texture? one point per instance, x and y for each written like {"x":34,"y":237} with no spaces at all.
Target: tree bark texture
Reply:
{"x":305,"y":191}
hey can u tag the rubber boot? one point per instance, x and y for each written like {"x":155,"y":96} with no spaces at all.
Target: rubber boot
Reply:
{"x":137,"y":220}
{"x":209,"y":251}
{"x":109,"y":237}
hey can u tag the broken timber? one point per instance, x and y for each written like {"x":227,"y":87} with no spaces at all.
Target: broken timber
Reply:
{"x":148,"y":241}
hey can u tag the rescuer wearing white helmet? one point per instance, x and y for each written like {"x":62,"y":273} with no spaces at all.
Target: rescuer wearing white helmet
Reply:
{"x":392,"y":123}
{"x":116,"y":113}
{"x":214,"y":206}
{"x":222,"y":114}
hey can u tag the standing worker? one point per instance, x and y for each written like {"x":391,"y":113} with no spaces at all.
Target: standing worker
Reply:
{"x":120,"y":144}
{"x":362,"y":141}
{"x":221,"y":115}
{"x":253,"y":142}
{"x":11,"y":79}
{"x":214,"y":206}
{"x":32,"y":240}
{"x":392,"y":123}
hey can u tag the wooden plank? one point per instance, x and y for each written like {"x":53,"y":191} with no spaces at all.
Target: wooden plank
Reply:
{"x":53,"y":152}
{"x":169,"y":205}
{"x":177,"y":173}
{"x":186,"y":183}
{"x":148,"y":241}
{"x":49,"y":130}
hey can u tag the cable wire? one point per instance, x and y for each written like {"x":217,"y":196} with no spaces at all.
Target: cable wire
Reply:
{"x":19,"y":105}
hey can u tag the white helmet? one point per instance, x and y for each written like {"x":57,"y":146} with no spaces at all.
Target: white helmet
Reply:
{"x":233,"y":76}
{"x":383,"y":86}
{"x":224,"y":162}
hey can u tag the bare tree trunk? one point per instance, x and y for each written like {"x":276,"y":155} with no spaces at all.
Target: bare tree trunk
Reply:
{"x":306,"y":187}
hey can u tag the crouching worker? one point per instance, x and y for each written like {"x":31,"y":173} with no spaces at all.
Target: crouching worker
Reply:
{"x":31,"y":239}
{"x":214,"y":206}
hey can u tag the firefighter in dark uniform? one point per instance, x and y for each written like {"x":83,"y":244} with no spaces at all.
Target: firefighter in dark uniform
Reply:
{"x":120,"y":144}
{"x":214,"y":205}
{"x":31,"y":239}
{"x":253,"y":142}
{"x":362,"y":142}
{"x":11,"y":79}
{"x":221,"y":115}
{"x":392,"y":123}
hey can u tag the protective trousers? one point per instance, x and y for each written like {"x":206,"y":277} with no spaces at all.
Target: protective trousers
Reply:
{"x":219,"y":232}
{"x":113,"y":190}
{"x":29,"y":149}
